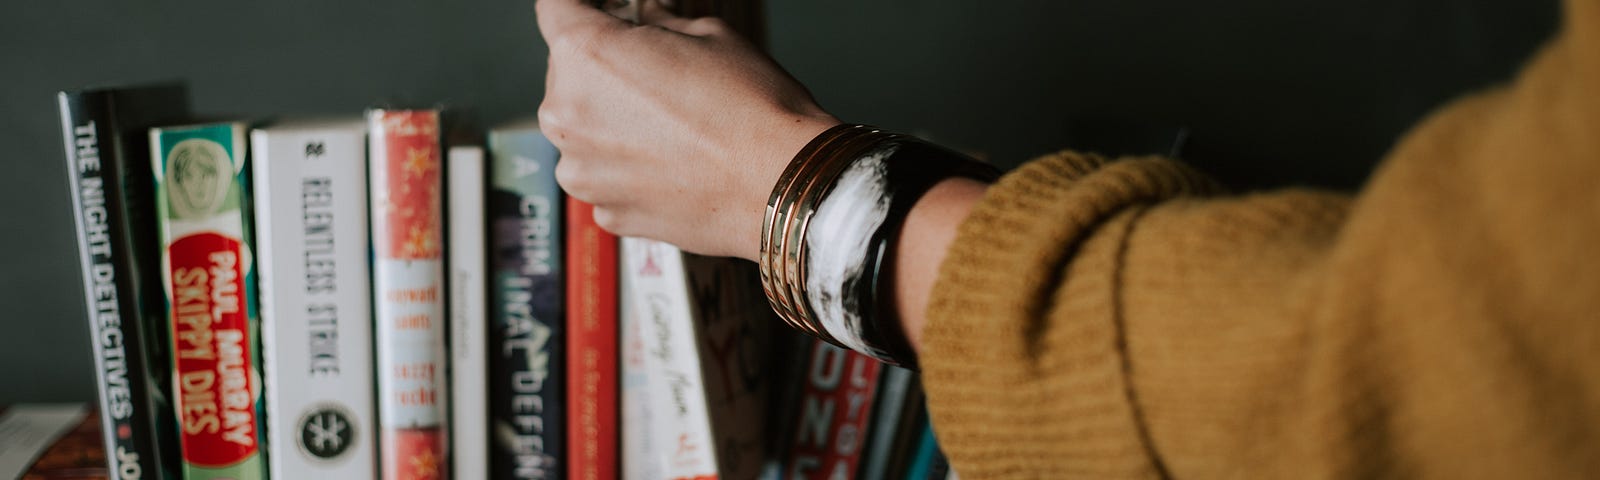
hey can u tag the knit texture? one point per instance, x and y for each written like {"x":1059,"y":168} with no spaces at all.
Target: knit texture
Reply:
{"x":1119,"y":319}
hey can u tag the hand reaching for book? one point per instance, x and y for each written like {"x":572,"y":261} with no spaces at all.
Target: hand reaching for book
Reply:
{"x":675,"y":129}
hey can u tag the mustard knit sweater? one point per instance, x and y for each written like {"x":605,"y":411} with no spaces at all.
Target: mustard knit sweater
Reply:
{"x":1104,"y":319}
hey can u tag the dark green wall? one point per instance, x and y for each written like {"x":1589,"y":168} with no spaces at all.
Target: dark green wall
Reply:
{"x":1272,"y":93}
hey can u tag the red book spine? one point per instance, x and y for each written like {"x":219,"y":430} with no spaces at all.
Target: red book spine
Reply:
{"x":408,"y":284}
{"x":592,"y":349}
{"x":834,"y":409}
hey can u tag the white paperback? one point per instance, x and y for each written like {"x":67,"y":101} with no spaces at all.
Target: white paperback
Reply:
{"x":639,"y":451}
{"x":469,"y":317}
{"x":703,"y":355}
{"x":316,"y":319}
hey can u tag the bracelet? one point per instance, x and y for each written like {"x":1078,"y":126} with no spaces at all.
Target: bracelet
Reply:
{"x":830,"y":227}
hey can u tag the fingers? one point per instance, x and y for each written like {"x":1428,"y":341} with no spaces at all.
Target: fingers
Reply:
{"x":653,"y":13}
{"x":560,"y":19}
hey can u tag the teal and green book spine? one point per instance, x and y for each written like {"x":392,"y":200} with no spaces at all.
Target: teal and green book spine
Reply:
{"x":527,"y":300}
{"x":202,"y":196}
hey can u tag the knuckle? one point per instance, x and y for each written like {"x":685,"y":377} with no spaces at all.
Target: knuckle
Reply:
{"x":575,"y":40}
{"x":552,"y":120}
{"x":610,"y":220}
{"x":709,"y":26}
{"x":583,"y":43}
{"x":569,"y":174}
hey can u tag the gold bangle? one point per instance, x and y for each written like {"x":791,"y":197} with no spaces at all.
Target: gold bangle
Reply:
{"x":805,"y":200}
{"x":780,"y":257}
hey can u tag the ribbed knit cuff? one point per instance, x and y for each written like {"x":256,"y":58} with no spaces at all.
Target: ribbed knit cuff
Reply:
{"x":1023,"y":360}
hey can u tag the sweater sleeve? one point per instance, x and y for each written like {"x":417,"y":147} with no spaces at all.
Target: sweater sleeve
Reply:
{"x":1117,"y":319}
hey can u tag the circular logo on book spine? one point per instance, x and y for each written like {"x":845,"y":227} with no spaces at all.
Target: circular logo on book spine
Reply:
{"x":326,"y":432}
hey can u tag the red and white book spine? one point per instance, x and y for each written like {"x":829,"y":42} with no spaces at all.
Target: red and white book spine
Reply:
{"x":408,"y":289}
{"x":680,"y":424}
{"x":469,"y":316}
{"x":592,"y":346}
{"x":834,"y":409}
{"x":316,"y":314}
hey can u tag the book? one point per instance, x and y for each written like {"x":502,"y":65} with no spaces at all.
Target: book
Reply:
{"x":834,"y":410}
{"x":202,"y":200}
{"x":706,"y":333}
{"x":105,"y":132}
{"x":741,"y":358}
{"x":527,"y":336}
{"x":681,"y":426}
{"x":407,"y":210}
{"x":927,"y":461}
{"x":889,"y":412}
{"x":469,"y":316}
{"x":908,"y":427}
{"x":316,"y":314}
{"x":592,"y":346}
{"x":27,"y":432}
{"x":638,"y":450}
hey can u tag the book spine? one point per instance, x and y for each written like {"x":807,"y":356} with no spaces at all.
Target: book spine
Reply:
{"x":834,"y":411}
{"x":733,"y":324}
{"x":95,"y":170}
{"x":922,"y":458}
{"x":408,"y":290}
{"x":640,"y":454}
{"x":527,"y":338}
{"x":592,"y":349}
{"x":913,"y":419}
{"x":202,"y":194}
{"x":316,"y":317}
{"x":893,"y":389}
{"x":469,"y":319}
{"x":681,"y":430}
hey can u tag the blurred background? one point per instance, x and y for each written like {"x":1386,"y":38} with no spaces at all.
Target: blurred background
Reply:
{"x":1266,"y":93}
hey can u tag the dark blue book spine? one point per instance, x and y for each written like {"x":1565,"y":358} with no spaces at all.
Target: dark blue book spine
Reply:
{"x":527,"y":338}
{"x":105,"y":146}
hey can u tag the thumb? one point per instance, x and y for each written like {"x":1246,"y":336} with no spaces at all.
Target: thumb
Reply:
{"x":564,"y":18}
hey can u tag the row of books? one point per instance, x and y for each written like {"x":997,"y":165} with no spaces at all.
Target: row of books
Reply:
{"x":357,"y":298}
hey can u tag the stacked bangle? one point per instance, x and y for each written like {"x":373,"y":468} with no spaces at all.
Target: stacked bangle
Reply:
{"x":830,"y":228}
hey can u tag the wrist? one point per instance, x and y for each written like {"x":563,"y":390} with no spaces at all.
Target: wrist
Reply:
{"x":770,"y":154}
{"x":831,"y":228}
{"x":925,"y":237}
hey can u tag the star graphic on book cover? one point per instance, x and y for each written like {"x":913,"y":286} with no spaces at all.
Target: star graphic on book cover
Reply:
{"x":419,"y":161}
{"x":425,"y":466}
{"x":421,"y":243}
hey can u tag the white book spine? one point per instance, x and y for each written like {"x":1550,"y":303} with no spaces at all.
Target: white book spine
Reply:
{"x":311,"y":217}
{"x":681,"y":427}
{"x":469,"y":321}
{"x":640,"y":452}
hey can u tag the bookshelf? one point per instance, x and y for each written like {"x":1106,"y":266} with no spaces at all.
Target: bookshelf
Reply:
{"x":940,"y":66}
{"x":1231,"y":72}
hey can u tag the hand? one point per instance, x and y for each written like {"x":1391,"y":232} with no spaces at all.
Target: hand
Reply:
{"x":675,"y":129}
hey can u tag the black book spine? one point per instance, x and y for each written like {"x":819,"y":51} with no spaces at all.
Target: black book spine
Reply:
{"x":527,"y":321}
{"x":105,"y":142}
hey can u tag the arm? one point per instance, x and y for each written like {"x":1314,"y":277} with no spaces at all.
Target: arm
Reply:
{"x":1115,"y":319}
{"x":1112,"y":320}
{"x":742,"y":115}
{"x":925,"y":238}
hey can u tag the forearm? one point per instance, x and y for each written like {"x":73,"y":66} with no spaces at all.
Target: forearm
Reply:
{"x":925,"y":237}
